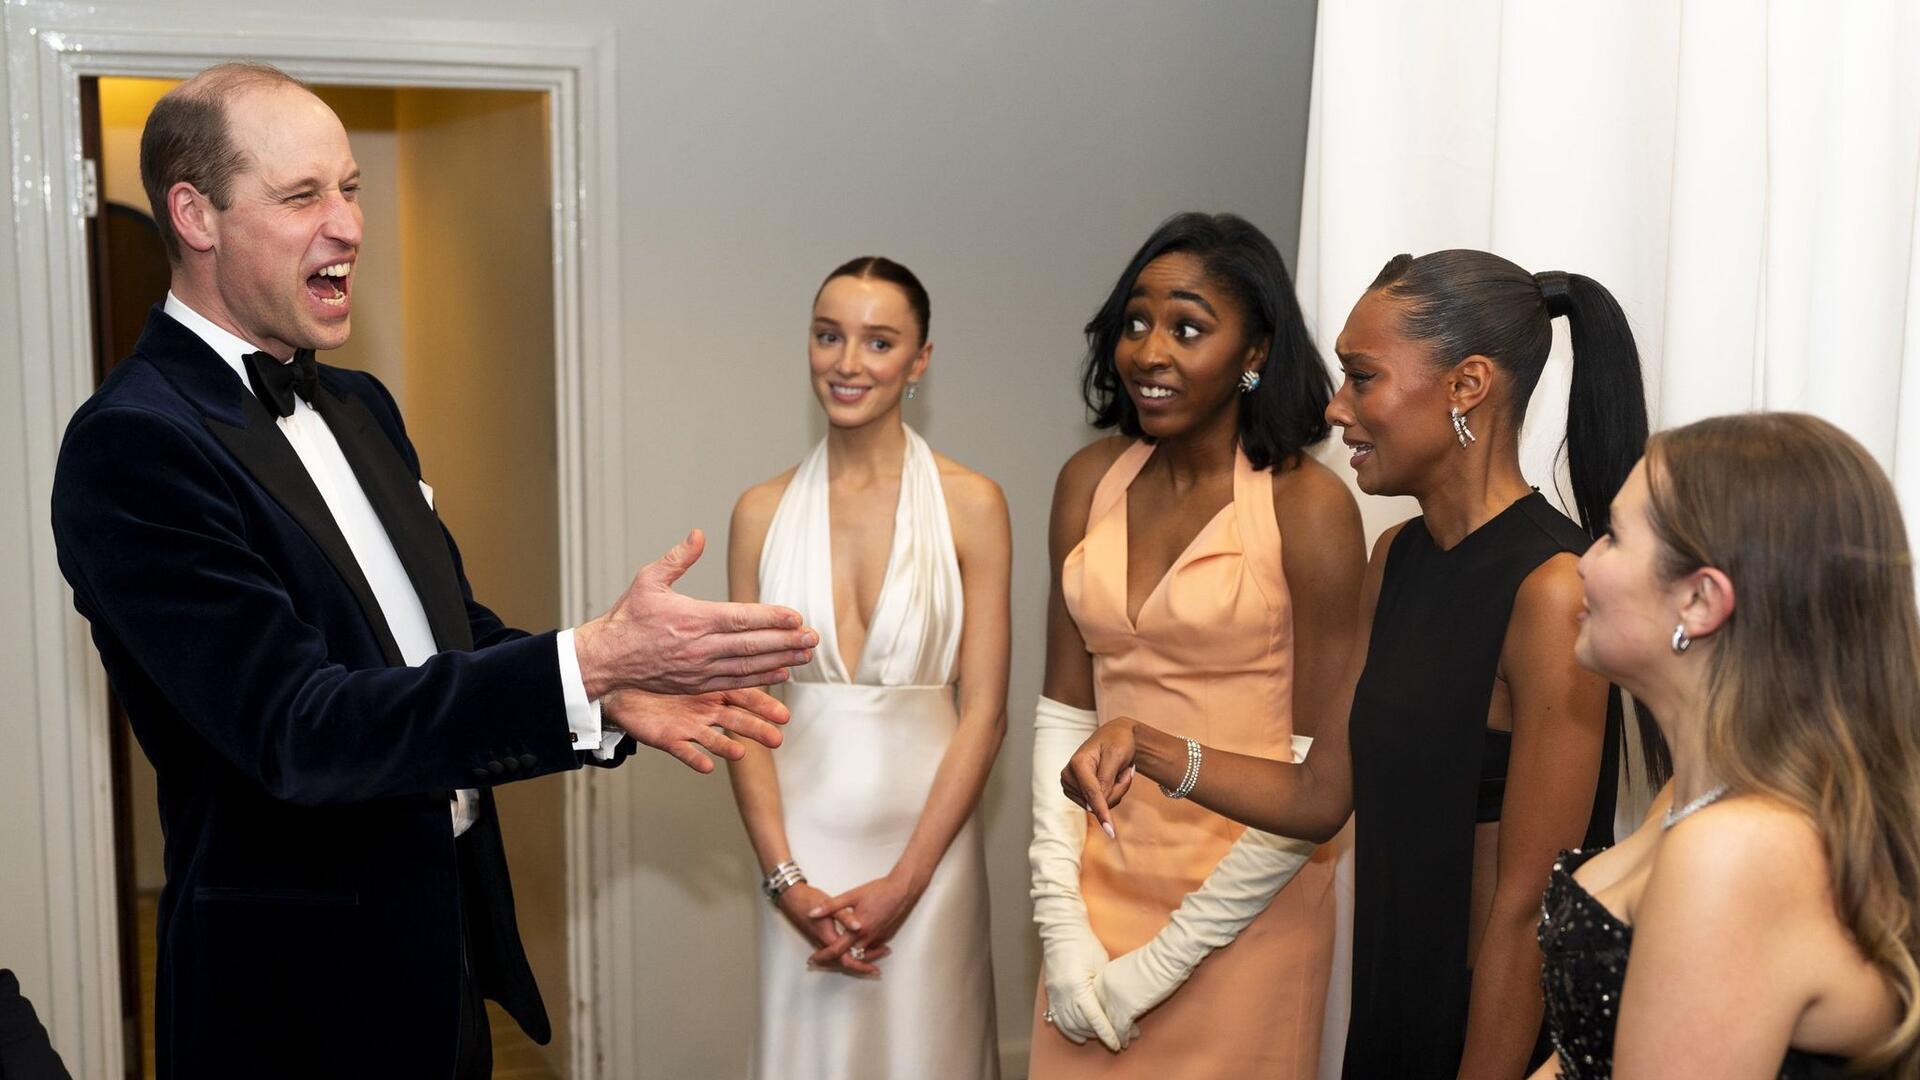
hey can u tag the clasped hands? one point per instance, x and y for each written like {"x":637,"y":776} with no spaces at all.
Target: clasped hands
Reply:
{"x":852,"y":930}
{"x":1092,"y":996}
{"x":681,"y":675}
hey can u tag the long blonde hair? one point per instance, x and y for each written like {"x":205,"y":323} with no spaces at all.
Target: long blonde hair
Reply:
{"x":1814,"y":685}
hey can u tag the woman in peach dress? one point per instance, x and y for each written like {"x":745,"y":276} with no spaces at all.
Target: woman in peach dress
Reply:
{"x":1206,"y":569}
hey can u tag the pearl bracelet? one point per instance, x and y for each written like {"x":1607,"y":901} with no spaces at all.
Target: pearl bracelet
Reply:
{"x":1192,"y":777}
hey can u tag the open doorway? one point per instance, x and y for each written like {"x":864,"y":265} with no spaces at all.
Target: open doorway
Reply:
{"x":454,"y":312}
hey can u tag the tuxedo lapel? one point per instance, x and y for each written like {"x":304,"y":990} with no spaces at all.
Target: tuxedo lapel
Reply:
{"x":410,"y":523}
{"x":263,"y":449}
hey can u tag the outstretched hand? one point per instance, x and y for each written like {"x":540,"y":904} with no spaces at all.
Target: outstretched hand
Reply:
{"x":655,"y":639}
{"x":691,"y":726}
{"x":1099,"y":774}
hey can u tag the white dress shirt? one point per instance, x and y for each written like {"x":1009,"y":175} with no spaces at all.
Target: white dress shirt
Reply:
{"x":313,"y":441}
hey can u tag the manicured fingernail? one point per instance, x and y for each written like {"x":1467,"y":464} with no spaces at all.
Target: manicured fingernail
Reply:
{"x":852,"y":923}
{"x":815,"y":913}
{"x":1108,"y":826}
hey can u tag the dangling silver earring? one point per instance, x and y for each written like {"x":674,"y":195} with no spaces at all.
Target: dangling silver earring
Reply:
{"x":912,"y":389}
{"x":1460,"y":427}
{"x":1681,"y":642}
{"x":1249,"y":380}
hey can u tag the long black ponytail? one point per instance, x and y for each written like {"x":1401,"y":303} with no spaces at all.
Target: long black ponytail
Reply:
{"x":1607,"y":410}
{"x":1465,"y":303}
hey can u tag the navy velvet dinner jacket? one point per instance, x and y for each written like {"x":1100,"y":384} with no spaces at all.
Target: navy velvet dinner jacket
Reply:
{"x":318,"y":910}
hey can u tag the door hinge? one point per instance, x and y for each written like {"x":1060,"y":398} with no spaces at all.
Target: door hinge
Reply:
{"x":90,"y":187}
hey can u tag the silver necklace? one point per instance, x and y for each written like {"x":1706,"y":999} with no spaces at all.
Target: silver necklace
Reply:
{"x":1706,"y":798}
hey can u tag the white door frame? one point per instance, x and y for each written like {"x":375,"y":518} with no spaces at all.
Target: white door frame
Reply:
{"x":49,"y":48}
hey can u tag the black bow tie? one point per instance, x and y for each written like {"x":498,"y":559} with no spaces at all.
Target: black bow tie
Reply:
{"x":275,"y":383}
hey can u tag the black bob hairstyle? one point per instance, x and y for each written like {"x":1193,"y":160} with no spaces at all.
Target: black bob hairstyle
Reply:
{"x":1287,"y":412}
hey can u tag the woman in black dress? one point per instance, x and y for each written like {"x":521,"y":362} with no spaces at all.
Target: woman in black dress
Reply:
{"x":1756,"y":593}
{"x":1475,"y":747}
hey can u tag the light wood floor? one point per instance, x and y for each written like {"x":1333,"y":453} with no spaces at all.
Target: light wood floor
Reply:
{"x":515,"y":1057}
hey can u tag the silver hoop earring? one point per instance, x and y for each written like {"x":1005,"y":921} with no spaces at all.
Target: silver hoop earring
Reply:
{"x":912,"y":389}
{"x":1460,"y":427}
{"x":1249,"y":381}
{"x":1681,"y":642}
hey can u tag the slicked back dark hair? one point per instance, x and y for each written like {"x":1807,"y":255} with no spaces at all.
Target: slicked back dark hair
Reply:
{"x":1287,"y":412}
{"x":881,"y":268}
{"x":1462,"y":303}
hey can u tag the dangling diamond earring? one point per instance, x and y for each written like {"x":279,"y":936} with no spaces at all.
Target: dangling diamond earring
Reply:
{"x":912,"y":389}
{"x":1681,"y":642}
{"x":1460,"y":427}
{"x":1249,"y":380}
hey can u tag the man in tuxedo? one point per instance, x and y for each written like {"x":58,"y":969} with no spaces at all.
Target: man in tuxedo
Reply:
{"x":295,"y":642}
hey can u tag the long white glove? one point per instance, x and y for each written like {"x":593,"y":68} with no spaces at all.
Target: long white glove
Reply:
{"x":1071,"y":954}
{"x":1244,"y":881}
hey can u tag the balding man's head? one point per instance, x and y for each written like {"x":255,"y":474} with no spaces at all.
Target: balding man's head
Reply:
{"x":256,"y":191}
{"x":188,"y":138}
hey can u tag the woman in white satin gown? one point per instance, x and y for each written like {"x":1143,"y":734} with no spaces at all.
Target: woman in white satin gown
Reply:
{"x":895,"y":724}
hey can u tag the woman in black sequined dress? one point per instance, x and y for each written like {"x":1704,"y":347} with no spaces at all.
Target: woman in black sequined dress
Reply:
{"x":1755,"y":593}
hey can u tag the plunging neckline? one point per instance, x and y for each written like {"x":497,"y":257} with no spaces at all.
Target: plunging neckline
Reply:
{"x":1126,"y":543}
{"x":886,"y":574}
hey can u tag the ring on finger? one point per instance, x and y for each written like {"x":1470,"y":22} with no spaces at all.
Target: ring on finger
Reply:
{"x":857,"y":953}
{"x":1049,"y":1016}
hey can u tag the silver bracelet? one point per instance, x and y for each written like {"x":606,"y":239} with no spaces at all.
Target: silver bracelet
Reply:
{"x":780,"y":879}
{"x":1192,"y":777}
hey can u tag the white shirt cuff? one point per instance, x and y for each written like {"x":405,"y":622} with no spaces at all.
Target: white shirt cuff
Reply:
{"x":583,"y":716}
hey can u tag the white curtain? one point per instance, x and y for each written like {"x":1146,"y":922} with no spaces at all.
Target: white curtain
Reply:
{"x":1742,"y":174}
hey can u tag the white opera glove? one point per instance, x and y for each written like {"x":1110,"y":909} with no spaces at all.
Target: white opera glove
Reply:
{"x":1242,"y":884}
{"x":1071,"y":955}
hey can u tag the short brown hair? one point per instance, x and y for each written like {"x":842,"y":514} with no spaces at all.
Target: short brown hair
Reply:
{"x":187,"y":139}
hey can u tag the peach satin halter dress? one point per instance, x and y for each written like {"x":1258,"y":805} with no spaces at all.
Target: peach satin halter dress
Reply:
{"x":1211,"y":658}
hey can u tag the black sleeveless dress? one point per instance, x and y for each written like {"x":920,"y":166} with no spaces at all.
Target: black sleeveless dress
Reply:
{"x":1585,"y":970}
{"x":1420,"y":746}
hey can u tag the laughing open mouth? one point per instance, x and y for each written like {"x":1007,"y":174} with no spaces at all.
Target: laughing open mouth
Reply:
{"x":329,"y":283}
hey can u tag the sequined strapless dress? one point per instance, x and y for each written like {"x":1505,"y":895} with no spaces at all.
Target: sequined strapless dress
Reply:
{"x":1586,"y":951}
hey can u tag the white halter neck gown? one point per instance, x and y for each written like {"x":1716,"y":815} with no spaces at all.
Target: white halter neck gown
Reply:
{"x":855,"y":772}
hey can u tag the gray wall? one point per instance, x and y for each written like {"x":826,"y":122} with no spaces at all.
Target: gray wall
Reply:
{"x":1014,"y":155}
